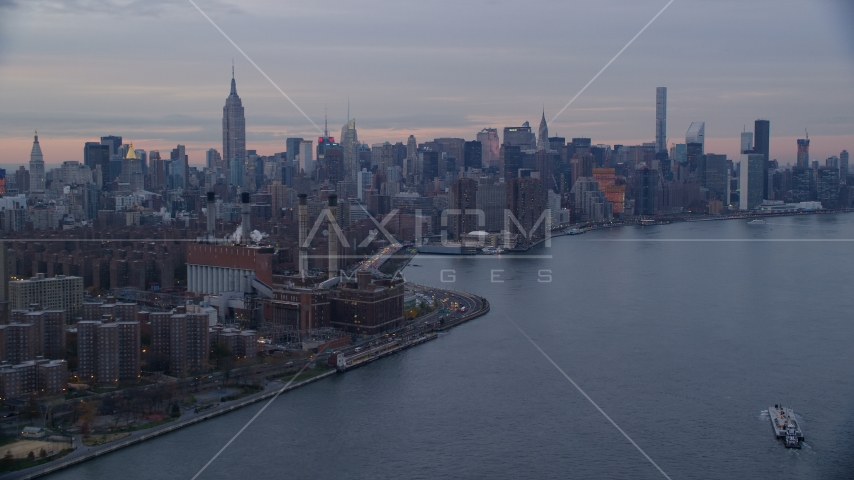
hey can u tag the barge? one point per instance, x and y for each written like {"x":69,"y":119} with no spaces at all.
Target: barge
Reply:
{"x":786,"y":426}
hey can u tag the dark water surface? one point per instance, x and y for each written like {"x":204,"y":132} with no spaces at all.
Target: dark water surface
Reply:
{"x":682,"y":343}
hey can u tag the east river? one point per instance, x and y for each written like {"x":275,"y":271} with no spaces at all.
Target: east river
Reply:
{"x":683,"y":334}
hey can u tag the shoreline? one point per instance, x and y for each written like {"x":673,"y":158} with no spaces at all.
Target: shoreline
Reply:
{"x":709,"y":218}
{"x":93,"y":452}
{"x":79,"y":455}
{"x":662,"y":222}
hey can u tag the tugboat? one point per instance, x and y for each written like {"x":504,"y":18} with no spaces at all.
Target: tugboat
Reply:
{"x":786,"y":426}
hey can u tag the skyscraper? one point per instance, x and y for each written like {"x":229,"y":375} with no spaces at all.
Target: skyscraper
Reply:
{"x":751,"y":181}
{"x":350,"y":144}
{"x":36,"y":167}
{"x":178,"y":169}
{"x":306,"y":157}
{"x":543,"y":134}
{"x":717,"y":177}
{"x":113,"y":142}
{"x":827,"y":187}
{"x":647,"y":191}
{"x":660,"y":119}
{"x":488,"y":137}
{"x":233,"y":126}
{"x":843,"y":167}
{"x":235,"y":170}
{"x":464,"y":199}
{"x":491,"y":199}
{"x":212,"y":159}
{"x":132,"y":170}
{"x":473,"y":155}
{"x":511,"y":161}
{"x":411,"y":159}
{"x":292,"y":149}
{"x":803,"y":152}
{"x":98,"y":155}
{"x":696,"y":134}
{"x":761,"y":144}
{"x":521,"y":137}
{"x":526,"y":200}
{"x":746,"y":141}
{"x":761,"y":137}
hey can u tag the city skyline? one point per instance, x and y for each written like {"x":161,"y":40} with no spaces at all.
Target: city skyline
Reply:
{"x":86,"y":101}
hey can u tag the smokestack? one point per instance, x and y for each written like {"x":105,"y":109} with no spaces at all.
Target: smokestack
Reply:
{"x":363,"y":279}
{"x":303,"y":220}
{"x":211,"y":215}
{"x":332,"y":238}
{"x":244,"y":210}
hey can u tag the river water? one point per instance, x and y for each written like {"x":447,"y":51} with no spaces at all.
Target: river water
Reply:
{"x":683,"y":334}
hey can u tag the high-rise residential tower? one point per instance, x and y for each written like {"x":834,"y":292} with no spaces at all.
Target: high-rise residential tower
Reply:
{"x":803,"y":152}
{"x":843,"y":167}
{"x":660,"y":119}
{"x":36,"y":167}
{"x":233,"y":126}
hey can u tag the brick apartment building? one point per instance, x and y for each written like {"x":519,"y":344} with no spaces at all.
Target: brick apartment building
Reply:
{"x":182,"y":339}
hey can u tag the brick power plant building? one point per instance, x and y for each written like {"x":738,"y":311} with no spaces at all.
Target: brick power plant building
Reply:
{"x":300,"y":301}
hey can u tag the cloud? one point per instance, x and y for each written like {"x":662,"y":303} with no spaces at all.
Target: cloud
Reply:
{"x":126,"y":8}
{"x":416,"y":69}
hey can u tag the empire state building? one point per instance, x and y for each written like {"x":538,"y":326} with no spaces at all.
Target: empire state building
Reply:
{"x":233,"y":126}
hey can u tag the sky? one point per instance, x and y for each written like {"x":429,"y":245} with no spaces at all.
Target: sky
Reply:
{"x":157,"y":73}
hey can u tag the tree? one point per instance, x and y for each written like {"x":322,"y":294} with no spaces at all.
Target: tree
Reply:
{"x":7,"y":460}
{"x":32,"y":409}
{"x":176,"y":410}
{"x":42,"y":453}
{"x":227,"y":365}
{"x":86,"y":412}
{"x":219,"y":353}
{"x":31,"y":456}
